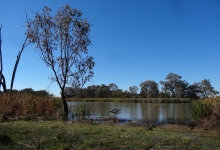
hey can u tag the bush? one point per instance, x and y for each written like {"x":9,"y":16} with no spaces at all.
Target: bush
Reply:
{"x":30,"y":106}
{"x":207,"y":111}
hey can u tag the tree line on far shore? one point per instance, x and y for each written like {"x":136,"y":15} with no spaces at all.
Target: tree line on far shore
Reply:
{"x":172,"y":87}
{"x":30,"y":91}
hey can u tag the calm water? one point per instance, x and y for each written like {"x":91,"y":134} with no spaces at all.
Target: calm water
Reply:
{"x":139,"y":111}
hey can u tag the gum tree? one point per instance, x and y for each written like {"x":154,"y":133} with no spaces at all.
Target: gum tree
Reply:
{"x":205,"y":89}
{"x":174,"y":85}
{"x":133,"y":90}
{"x":149,"y":89}
{"x":62,"y":41}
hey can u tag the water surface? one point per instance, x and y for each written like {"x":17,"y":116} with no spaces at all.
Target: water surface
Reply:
{"x":159,"y":112}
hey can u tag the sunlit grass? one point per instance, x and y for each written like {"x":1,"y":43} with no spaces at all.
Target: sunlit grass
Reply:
{"x":60,"y":135}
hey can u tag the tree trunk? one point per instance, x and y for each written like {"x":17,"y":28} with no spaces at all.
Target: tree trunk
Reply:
{"x":65,"y":107}
{"x":16,"y":65}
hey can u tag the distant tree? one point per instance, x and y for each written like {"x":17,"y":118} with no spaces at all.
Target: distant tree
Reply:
{"x":92,"y":91}
{"x":133,"y":90}
{"x":174,"y":85}
{"x":181,"y":89}
{"x":62,"y":42}
{"x":193,"y":91}
{"x":205,"y":89}
{"x":41,"y":93}
{"x":113,"y":87}
{"x":149,"y":89}
{"x":103,"y":91}
{"x":127,"y":94}
{"x":118,"y":93}
{"x":163,"y":95}
{"x":27,"y":90}
{"x":113,"y":90}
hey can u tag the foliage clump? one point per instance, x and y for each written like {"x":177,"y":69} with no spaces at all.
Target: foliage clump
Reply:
{"x":207,"y":111}
{"x":29,"y":106}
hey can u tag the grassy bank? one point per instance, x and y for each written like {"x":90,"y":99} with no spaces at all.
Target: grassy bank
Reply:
{"x":60,"y":135}
{"x":133,"y":100}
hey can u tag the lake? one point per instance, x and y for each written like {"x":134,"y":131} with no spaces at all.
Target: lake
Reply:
{"x":157,"y":112}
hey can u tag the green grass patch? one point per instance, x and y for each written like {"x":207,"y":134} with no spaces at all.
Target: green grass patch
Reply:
{"x":133,"y":100}
{"x":63,"y":135}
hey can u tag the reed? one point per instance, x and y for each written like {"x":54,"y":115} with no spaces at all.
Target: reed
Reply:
{"x":29,"y":106}
{"x":207,"y":112}
{"x":79,"y":110}
{"x":133,"y":100}
{"x":204,"y":107}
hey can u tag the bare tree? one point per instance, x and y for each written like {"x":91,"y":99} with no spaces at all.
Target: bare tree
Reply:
{"x":16,"y":65}
{"x":2,"y":78}
{"x":62,"y":42}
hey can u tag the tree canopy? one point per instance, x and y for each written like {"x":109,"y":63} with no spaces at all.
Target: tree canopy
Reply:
{"x":62,"y":41}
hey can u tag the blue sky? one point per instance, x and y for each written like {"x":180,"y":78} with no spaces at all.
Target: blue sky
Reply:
{"x":132,"y":41}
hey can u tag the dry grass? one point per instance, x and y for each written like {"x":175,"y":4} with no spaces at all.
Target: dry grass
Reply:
{"x":207,"y":112}
{"x":28,"y":106}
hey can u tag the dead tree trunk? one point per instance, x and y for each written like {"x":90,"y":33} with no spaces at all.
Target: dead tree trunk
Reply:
{"x":65,"y":106}
{"x":2,"y":78}
{"x":16,"y":65}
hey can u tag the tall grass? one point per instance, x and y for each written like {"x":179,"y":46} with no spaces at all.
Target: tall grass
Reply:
{"x":29,"y":106}
{"x":133,"y":100}
{"x":79,"y":110}
{"x":207,"y":111}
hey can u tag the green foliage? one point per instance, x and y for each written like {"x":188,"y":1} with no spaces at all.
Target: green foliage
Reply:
{"x":203,"y":108}
{"x":149,"y":89}
{"x":80,"y":109}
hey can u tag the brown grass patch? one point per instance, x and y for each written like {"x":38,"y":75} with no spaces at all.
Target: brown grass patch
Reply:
{"x":29,"y":106}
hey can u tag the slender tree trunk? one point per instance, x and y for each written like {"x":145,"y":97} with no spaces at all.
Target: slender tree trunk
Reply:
{"x":65,"y":107}
{"x":2,"y":78}
{"x":16,"y":65}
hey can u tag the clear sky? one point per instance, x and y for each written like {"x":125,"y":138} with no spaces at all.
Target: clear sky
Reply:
{"x":132,"y":41}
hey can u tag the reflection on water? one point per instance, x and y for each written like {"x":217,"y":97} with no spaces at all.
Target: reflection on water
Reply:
{"x":139,"y":111}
